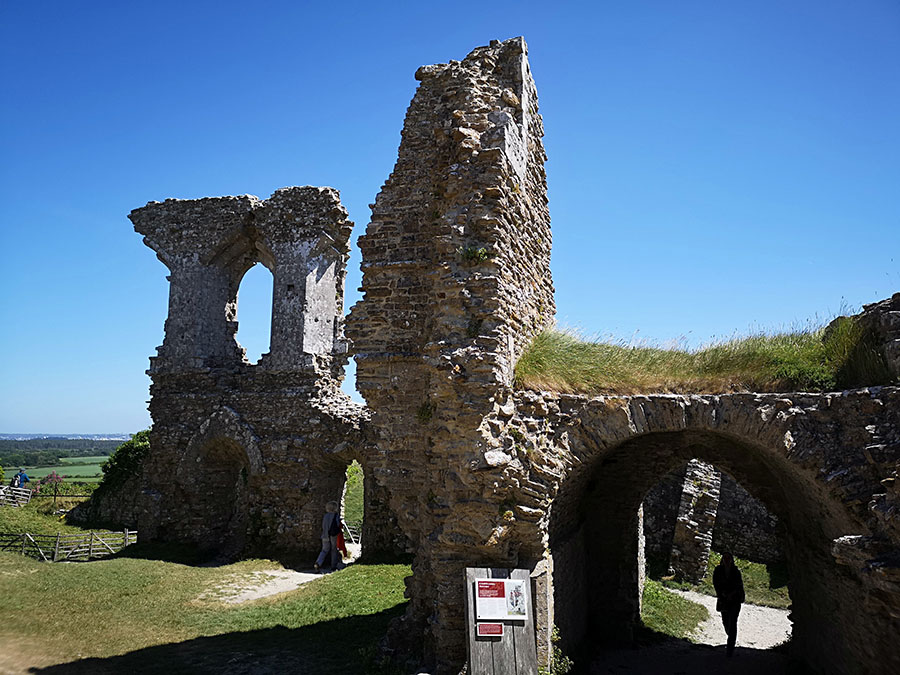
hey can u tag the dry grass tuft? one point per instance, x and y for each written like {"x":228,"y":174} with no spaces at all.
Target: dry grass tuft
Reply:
{"x":838,"y":356}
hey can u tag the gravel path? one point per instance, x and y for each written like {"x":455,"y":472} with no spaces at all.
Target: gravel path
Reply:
{"x":264,"y":583}
{"x":758,"y":627}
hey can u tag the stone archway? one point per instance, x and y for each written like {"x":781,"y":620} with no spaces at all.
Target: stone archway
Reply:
{"x":214,"y":477}
{"x":594,"y":538}
{"x":217,"y":496}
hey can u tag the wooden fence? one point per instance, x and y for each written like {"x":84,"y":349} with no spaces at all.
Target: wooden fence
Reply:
{"x":67,"y":547}
{"x":10,"y":496}
{"x":354,"y":532}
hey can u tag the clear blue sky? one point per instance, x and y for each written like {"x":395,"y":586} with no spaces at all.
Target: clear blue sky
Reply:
{"x":714,"y":166}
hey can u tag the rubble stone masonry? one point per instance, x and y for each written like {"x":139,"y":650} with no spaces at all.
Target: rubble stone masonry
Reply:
{"x":462,"y":469}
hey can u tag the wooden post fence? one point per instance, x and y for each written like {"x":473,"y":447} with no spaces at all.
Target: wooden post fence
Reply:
{"x":68,"y":547}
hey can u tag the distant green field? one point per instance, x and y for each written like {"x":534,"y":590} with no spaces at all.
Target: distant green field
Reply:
{"x":93,"y":459}
{"x":89,"y":473}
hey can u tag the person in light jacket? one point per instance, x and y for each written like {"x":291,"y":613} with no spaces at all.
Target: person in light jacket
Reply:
{"x":331,"y":522}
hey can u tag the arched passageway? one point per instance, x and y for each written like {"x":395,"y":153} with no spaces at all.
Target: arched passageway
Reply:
{"x":216,"y":495}
{"x":595,"y":536}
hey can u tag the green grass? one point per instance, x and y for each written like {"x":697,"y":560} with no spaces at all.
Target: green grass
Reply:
{"x":838,"y":356}
{"x":353,"y":498}
{"x":35,"y":519}
{"x":83,"y":472}
{"x":765,"y":585}
{"x":668,"y":613}
{"x":122,"y":605}
{"x":92,"y":459}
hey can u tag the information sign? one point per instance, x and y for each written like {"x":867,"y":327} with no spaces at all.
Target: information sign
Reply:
{"x":490,"y":630}
{"x":501,"y":599}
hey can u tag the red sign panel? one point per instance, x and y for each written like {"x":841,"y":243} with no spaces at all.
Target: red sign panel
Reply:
{"x":490,"y":630}
{"x":491,"y":589}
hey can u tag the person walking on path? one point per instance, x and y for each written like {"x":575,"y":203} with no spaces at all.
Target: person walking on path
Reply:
{"x":331,"y":527}
{"x":729,"y":587}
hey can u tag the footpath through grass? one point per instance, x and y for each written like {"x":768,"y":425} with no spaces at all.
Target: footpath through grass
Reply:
{"x":765,"y":585}
{"x":118,"y":606}
{"x":839,"y":356}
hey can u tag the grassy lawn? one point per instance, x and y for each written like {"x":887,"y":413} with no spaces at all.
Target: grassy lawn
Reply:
{"x":837,"y":356}
{"x":36,"y":519}
{"x":764,"y":585}
{"x":668,"y":613}
{"x":158,"y":614}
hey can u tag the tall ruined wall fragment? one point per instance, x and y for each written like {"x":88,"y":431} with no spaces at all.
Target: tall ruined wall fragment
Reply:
{"x":456,"y":281}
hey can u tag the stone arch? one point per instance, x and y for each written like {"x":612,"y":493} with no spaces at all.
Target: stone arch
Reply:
{"x":594,"y":531}
{"x":215,"y":475}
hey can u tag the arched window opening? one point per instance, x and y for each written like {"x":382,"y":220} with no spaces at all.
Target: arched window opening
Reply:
{"x":353,"y":508}
{"x":254,"y":314}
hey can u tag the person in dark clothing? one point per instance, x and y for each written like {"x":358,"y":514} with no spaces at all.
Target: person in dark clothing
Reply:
{"x":729,"y":587}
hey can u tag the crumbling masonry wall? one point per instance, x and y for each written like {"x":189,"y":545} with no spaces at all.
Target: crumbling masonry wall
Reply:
{"x":456,"y":282}
{"x":244,"y":456}
{"x":741,"y":523}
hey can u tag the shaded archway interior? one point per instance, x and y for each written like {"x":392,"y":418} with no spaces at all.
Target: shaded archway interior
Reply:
{"x":595,"y":537}
{"x":219,"y":509}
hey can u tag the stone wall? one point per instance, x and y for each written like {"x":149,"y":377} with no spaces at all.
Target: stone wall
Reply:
{"x":464,"y":470}
{"x":697,"y":508}
{"x":456,"y":281}
{"x":745,"y":526}
{"x":742,"y":524}
{"x":244,"y":456}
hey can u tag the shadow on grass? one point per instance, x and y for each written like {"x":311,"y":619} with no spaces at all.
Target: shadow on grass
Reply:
{"x":339,"y":646}
{"x":655,"y":653}
{"x":182,"y":554}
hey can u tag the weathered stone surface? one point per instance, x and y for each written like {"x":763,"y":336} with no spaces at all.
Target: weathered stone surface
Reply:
{"x":244,"y":457}
{"x":697,"y":509}
{"x":882,"y":321}
{"x":456,"y":282}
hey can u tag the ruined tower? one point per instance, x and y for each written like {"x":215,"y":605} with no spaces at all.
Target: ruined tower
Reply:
{"x":245,"y":455}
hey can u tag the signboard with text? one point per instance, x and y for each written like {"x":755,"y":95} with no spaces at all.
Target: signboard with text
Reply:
{"x":501,"y":639}
{"x":490,"y":630}
{"x":501,"y":599}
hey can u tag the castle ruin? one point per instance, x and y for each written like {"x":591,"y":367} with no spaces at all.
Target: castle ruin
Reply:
{"x":461,"y":468}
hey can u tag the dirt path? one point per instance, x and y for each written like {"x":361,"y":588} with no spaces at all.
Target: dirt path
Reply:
{"x":265,"y":583}
{"x":759,"y":629}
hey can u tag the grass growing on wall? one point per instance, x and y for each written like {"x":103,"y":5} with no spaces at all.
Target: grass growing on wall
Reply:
{"x":838,"y":356}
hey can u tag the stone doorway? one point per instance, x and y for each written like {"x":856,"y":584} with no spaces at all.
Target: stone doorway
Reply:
{"x":596,"y":537}
{"x":217,"y":496}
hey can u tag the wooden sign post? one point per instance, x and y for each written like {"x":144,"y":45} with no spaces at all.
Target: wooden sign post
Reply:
{"x":500,"y":619}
